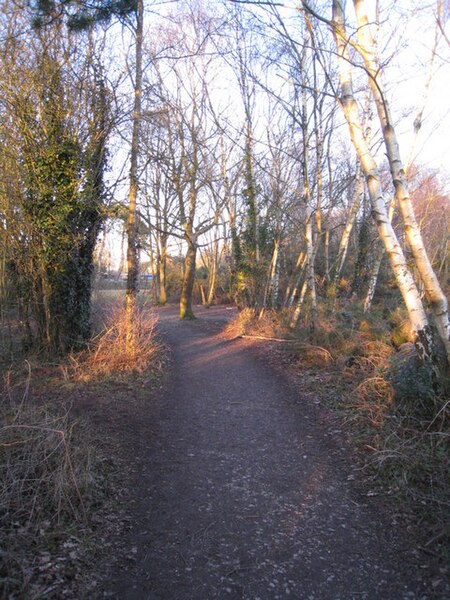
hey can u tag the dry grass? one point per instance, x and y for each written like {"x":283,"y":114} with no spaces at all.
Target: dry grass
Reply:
{"x":43,"y":470}
{"x":53,"y":477}
{"x":267,"y":324}
{"x":117,"y":349}
{"x":50,"y":475}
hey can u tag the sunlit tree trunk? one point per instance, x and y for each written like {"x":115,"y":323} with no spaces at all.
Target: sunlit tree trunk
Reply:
{"x":373,"y":278}
{"x":292,"y":289}
{"x":212,"y":282}
{"x":211,"y":262}
{"x":343,"y":246}
{"x":186,"y":311}
{"x":162,"y":268}
{"x":271,"y":293}
{"x":376,"y":265}
{"x":133,"y":242}
{"x":309,"y":212}
{"x":405,"y":281}
{"x":433,"y":290}
{"x":298,"y":307}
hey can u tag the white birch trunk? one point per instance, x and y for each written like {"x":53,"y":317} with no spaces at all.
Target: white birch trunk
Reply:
{"x":433,"y":291}
{"x":343,"y":246}
{"x":417,"y":316}
{"x":298,"y":306}
{"x":291,"y":292}
{"x":309,"y":212}
{"x":373,"y":280}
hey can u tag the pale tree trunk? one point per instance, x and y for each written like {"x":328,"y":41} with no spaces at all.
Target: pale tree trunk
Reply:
{"x":133,"y":243}
{"x":375,"y":270}
{"x":213,"y":269}
{"x":373,"y":279}
{"x":292,"y":289}
{"x":271,"y":293}
{"x":298,"y":307}
{"x":212,"y":285}
{"x":433,"y":290}
{"x":309,"y":214}
{"x":327,"y":231}
{"x":154,"y":280}
{"x":303,"y":274}
{"x":275,"y":284}
{"x":405,"y":281}
{"x":202,"y":293}
{"x":318,"y":132}
{"x":343,"y":246}
{"x":326,"y":252}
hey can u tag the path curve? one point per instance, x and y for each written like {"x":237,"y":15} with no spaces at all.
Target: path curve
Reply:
{"x":243,"y":492}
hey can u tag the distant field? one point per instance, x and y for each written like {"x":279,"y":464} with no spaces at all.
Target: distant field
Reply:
{"x":107,"y":298}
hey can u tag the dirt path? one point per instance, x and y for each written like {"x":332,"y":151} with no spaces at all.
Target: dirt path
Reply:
{"x":243,"y":493}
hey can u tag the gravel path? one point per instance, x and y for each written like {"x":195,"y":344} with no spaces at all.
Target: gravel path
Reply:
{"x":242,"y":492}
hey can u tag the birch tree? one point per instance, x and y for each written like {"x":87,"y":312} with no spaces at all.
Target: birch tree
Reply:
{"x":433,"y":291}
{"x":405,"y":281}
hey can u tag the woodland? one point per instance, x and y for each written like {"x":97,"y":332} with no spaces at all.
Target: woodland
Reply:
{"x":287,"y":159}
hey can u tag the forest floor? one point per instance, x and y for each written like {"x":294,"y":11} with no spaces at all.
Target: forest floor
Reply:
{"x":238,"y":482}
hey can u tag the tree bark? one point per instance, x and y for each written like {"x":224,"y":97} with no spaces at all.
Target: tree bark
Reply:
{"x":418,"y":319}
{"x":162,"y":267}
{"x":309,"y":213}
{"x":433,"y":290}
{"x":343,"y":246}
{"x":133,"y":243}
{"x":186,"y":311}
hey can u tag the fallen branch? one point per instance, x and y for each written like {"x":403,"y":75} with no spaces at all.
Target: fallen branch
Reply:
{"x":301,"y":344}
{"x":261,"y":337}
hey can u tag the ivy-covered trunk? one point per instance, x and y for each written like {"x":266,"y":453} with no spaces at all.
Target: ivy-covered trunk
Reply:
{"x":62,"y":196}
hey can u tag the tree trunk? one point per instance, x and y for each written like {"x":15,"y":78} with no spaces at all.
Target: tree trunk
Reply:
{"x":213,"y":276}
{"x":433,"y":290}
{"x":186,"y":311}
{"x":309,"y":213}
{"x":271,"y":292}
{"x":133,"y":243}
{"x":298,"y":308}
{"x":373,"y":278}
{"x":343,"y":246}
{"x":162,"y":269}
{"x":375,"y":270}
{"x":291,"y":292}
{"x":418,"y":319}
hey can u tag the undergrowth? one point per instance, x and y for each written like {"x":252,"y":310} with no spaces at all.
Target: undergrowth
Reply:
{"x":54,"y":474}
{"x":116,"y":350}
{"x":51,"y":478}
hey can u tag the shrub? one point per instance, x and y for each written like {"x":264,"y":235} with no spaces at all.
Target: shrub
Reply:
{"x":112,"y":352}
